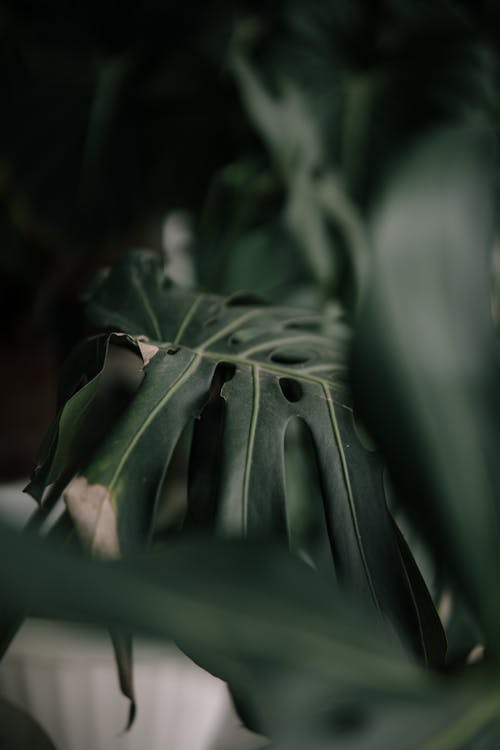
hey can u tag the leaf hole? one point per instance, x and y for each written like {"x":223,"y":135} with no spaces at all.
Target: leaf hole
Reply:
{"x":291,"y":389}
{"x":206,"y":455}
{"x":285,"y":356}
{"x":224,"y":372}
{"x":173,"y":349}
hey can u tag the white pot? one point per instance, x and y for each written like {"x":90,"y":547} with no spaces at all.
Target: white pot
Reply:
{"x":66,"y":679}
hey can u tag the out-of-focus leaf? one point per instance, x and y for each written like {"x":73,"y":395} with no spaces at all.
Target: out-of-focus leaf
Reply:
{"x":429,"y":67}
{"x":462,"y":632}
{"x":62,"y":532}
{"x":425,"y":336}
{"x":239,"y":234}
{"x":198,"y":583}
{"x":340,"y":91}
{"x":243,"y":370}
{"x":243,"y":242}
{"x":18,"y":731}
{"x":438,"y":720}
{"x":433,"y":637}
{"x":314,"y":667}
{"x":316,"y":201}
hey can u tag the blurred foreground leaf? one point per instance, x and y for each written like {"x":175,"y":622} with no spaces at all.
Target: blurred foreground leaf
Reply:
{"x":425,"y":336}
{"x":18,"y":731}
{"x":313,"y":667}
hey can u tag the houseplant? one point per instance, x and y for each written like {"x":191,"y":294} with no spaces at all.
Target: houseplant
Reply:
{"x":419,"y":240}
{"x":239,"y":371}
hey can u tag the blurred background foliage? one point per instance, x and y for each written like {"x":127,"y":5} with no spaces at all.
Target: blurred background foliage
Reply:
{"x":317,"y":153}
{"x":114,"y":117}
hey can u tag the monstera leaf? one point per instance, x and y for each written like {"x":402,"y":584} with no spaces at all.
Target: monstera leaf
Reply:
{"x":240,"y":370}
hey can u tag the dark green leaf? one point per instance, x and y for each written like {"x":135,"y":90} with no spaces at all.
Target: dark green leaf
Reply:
{"x":18,"y":731}
{"x":315,"y":668}
{"x":242,"y":371}
{"x":425,"y":336}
